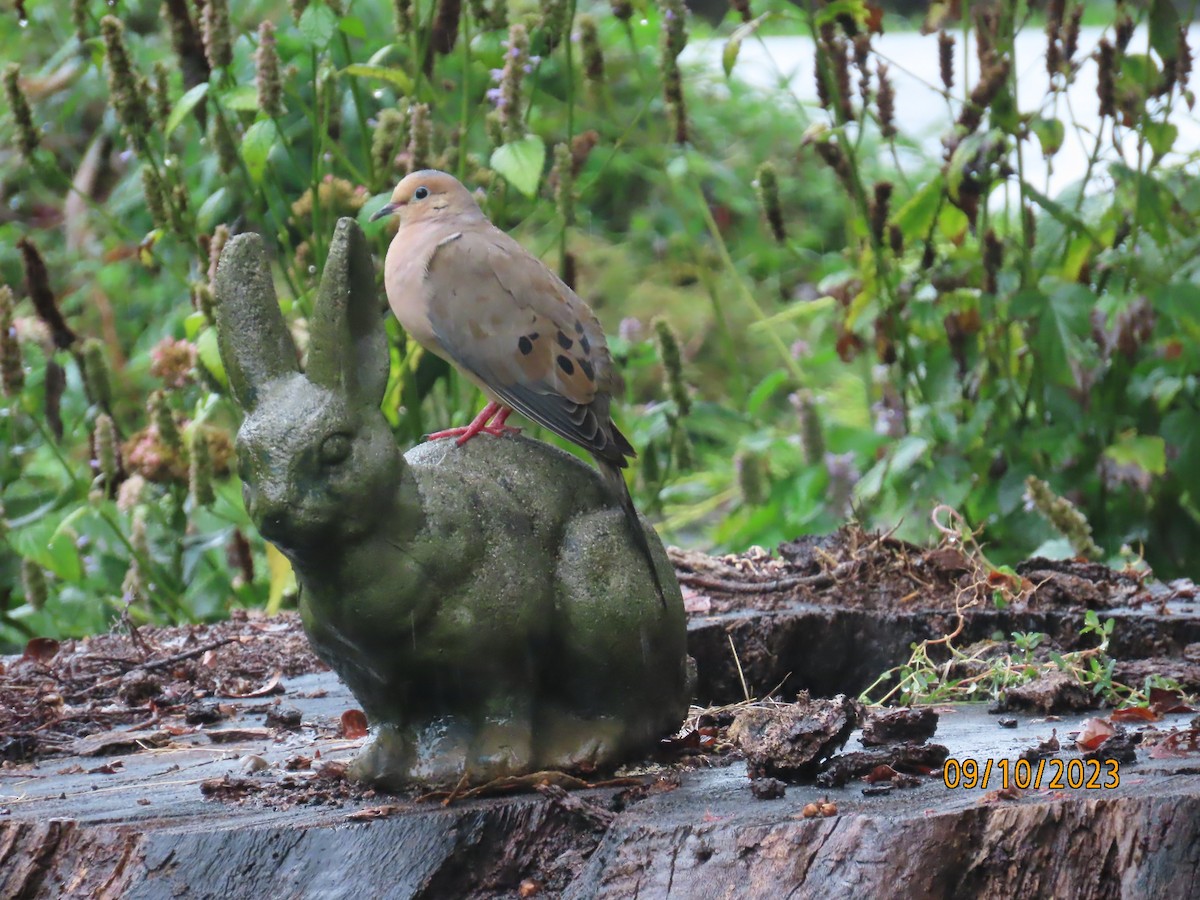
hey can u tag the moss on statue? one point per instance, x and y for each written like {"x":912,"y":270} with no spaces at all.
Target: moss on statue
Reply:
{"x":486,"y":603}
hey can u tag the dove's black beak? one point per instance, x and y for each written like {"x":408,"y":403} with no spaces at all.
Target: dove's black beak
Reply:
{"x":386,"y":210}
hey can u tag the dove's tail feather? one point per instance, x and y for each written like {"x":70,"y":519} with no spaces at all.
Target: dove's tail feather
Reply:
{"x":612,"y":474}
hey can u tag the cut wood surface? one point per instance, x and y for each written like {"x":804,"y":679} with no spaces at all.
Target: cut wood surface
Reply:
{"x":208,"y":761}
{"x":139,"y":824}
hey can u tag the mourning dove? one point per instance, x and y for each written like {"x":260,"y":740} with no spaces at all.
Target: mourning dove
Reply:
{"x":469,"y":293}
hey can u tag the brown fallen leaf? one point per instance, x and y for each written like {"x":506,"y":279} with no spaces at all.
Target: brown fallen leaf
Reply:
{"x":1177,"y":744}
{"x":354,"y":724}
{"x":1095,"y":732}
{"x":1008,"y":793}
{"x":109,"y":768}
{"x":373,"y":812}
{"x":235,"y":735}
{"x":109,"y":742}
{"x":1135,"y":714}
{"x":229,"y":787}
{"x":880,"y":773}
{"x":1164,"y":702}
{"x":41,"y":649}
{"x":332,"y":770}
{"x":271,"y":686}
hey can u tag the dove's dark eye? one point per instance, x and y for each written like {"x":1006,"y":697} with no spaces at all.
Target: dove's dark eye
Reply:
{"x":421,"y":193}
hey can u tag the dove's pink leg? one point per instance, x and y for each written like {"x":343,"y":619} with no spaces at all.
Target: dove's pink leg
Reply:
{"x":489,"y":421}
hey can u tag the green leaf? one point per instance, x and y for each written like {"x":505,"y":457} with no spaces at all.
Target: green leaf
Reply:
{"x":185,"y":105}
{"x":1060,"y":213}
{"x":1147,"y":452}
{"x":1059,"y":321}
{"x":51,"y":546}
{"x":963,"y":160}
{"x":210,"y":355}
{"x":243,"y":98}
{"x":318,"y":24}
{"x":398,"y":77}
{"x":915,"y":218}
{"x":1164,"y":29}
{"x":953,"y":222}
{"x":1161,"y":137}
{"x":283,"y":579}
{"x":352,"y":26}
{"x":908,"y":450}
{"x":1049,"y":134}
{"x":520,"y":162}
{"x":831,"y":12}
{"x":765,"y":389}
{"x":256,"y":146}
{"x":209,"y":213}
{"x":734,"y":45}
{"x":193,"y":324}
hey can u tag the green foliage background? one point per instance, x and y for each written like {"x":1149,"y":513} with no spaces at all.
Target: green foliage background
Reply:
{"x":851,"y":340}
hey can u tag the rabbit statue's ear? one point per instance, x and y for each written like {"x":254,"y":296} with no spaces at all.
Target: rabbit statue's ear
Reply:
{"x":347,"y":349}
{"x":255,"y":344}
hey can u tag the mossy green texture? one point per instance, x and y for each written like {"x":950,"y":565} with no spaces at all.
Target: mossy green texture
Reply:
{"x":486,"y":603}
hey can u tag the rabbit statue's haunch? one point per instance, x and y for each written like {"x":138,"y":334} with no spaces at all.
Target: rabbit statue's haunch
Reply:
{"x":486,"y":604}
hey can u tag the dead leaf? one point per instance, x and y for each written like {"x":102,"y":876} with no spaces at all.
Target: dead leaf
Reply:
{"x":1095,"y":732}
{"x":332,"y":770}
{"x":880,"y":773}
{"x":1008,"y":793}
{"x":1135,"y":714}
{"x":354,"y":724}
{"x":109,"y":768}
{"x":236,"y":735}
{"x":373,"y":812}
{"x":293,"y":763}
{"x":874,"y":18}
{"x":1177,"y":744}
{"x":272,"y":686}
{"x":41,"y":649}
{"x":229,"y":787}
{"x":1165,"y":702}
{"x":109,"y":742}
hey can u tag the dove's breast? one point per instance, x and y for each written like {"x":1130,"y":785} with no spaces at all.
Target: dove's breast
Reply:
{"x":408,"y":289}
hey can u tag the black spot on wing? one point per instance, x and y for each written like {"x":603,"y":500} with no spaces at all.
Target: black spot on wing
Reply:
{"x":525,"y":345}
{"x":566,"y":365}
{"x":584,"y":345}
{"x":565,"y":342}
{"x":587,"y":368}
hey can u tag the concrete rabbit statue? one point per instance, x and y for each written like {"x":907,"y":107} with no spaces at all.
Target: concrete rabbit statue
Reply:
{"x":485,"y":604}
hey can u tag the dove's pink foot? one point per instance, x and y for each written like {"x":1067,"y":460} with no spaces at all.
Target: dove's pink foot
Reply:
{"x":489,"y":421}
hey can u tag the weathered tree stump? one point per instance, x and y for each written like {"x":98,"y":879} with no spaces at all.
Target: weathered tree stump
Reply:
{"x":240,"y":793}
{"x":139,"y":825}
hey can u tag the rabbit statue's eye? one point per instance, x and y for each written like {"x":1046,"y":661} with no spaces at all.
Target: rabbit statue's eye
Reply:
{"x":335,"y":449}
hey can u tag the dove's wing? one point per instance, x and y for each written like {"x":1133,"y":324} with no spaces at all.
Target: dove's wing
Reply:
{"x":498,"y":313}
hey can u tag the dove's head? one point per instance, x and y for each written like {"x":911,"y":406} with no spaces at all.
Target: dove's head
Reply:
{"x":427,"y":195}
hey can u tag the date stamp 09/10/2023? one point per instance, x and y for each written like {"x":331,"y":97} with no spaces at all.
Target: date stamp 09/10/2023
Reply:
{"x":1051,"y":773}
